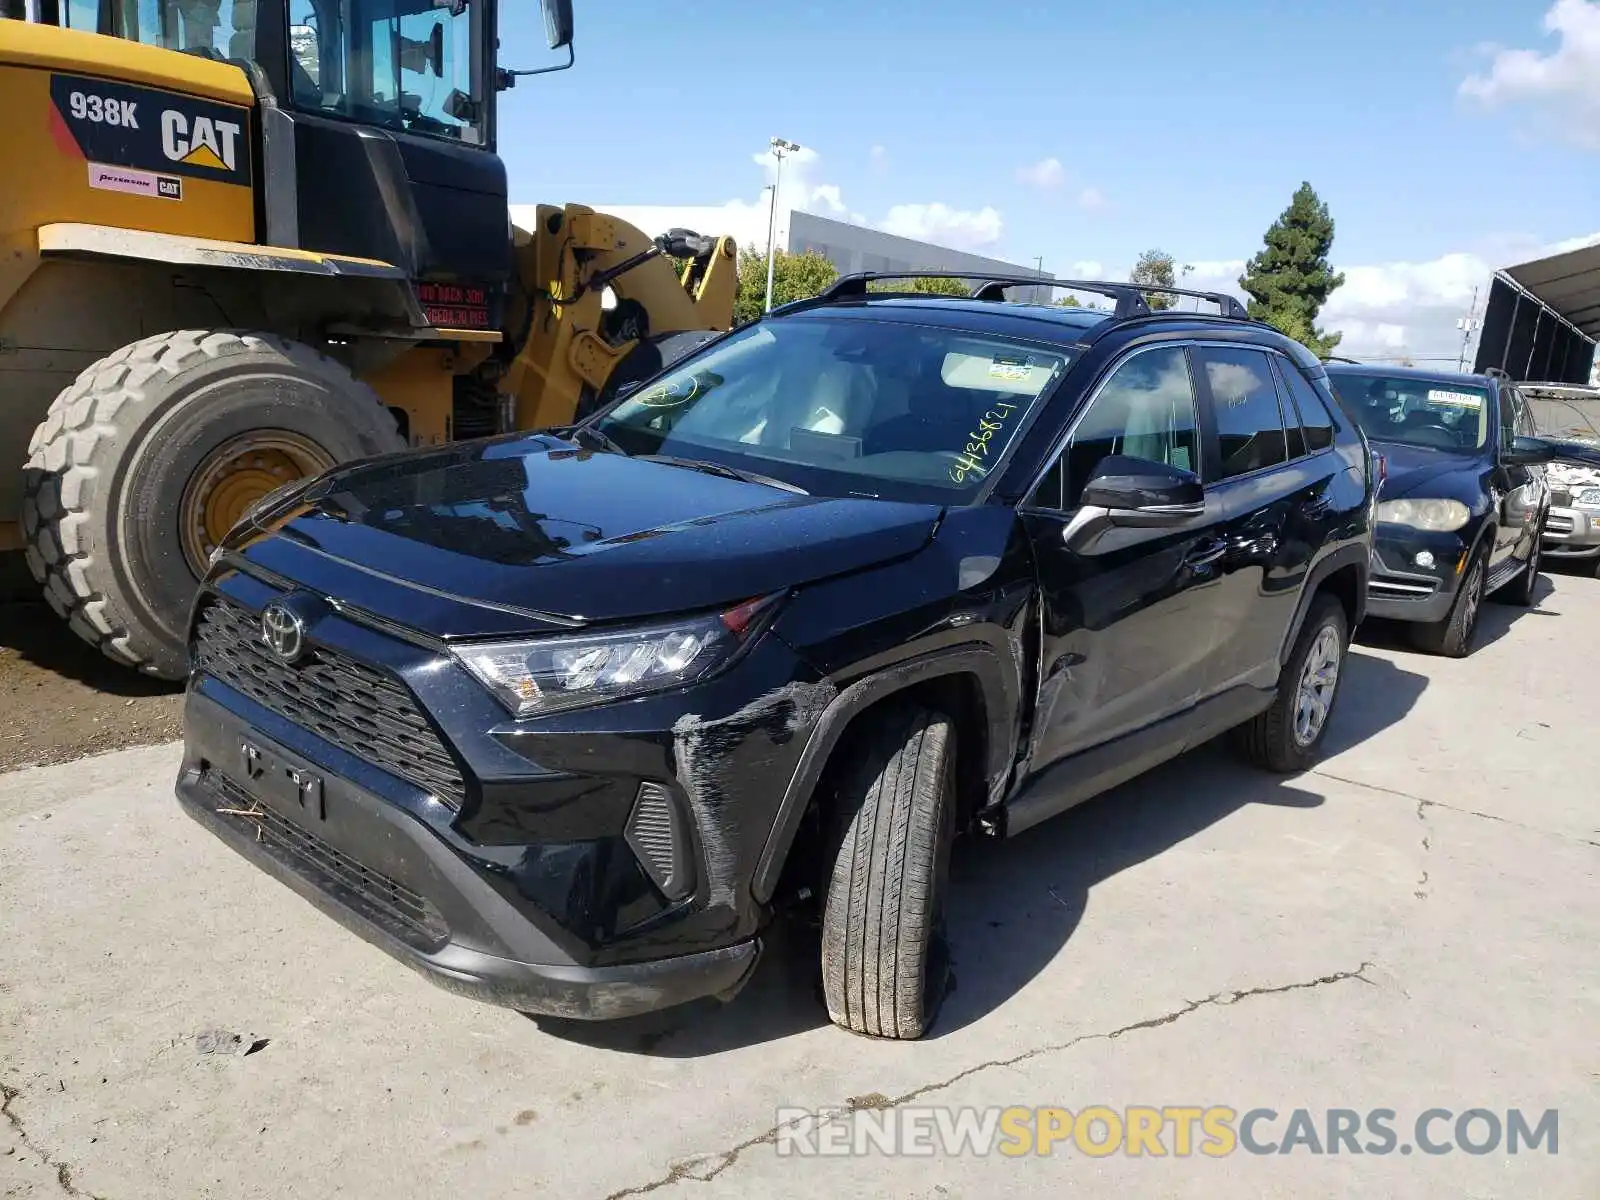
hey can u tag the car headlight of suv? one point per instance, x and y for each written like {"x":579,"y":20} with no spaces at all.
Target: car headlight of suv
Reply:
{"x":1589,"y":498}
{"x":1434,"y":516}
{"x":537,"y":676}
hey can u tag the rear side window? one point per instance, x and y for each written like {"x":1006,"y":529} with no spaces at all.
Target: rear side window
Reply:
{"x":1245,"y":400}
{"x":1314,"y":416}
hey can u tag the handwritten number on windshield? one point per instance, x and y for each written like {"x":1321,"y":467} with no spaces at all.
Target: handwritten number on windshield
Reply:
{"x":975,"y":458}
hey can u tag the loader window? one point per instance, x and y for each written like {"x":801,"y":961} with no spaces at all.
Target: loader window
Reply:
{"x":218,"y":29}
{"x":400,"y":64}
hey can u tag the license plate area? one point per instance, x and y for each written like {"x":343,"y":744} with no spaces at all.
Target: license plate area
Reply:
{"x":292,"y":788}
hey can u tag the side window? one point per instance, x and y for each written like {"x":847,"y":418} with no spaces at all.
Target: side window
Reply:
{"x":1315,"y":419}
{"x":1508,"y":417}
{"x":1146,"y":409}
{"x":1249,"y":425}
{"x":1525,"y":422}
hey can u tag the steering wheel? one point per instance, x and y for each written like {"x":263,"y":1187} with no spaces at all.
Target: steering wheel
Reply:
{"x":1434,"y":435}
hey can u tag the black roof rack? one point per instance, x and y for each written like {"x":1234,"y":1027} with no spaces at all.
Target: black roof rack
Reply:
{"x":1354,"y":362}
{"x":1129,"y":297}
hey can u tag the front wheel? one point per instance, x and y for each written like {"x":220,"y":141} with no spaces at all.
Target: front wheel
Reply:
{"x":1452,"y":637}
{"x":885,"y":958}
{"x":155,"y":452}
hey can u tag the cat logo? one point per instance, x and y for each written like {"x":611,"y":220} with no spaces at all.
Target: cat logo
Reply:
{"x":200,"y":141}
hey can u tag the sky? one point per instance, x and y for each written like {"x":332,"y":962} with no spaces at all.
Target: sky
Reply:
{"x":1447,"y":138}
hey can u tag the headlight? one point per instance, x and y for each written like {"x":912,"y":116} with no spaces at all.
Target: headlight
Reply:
{"x":1436,"y":516}
{"x":1589,"y":497}
{"x":552,"y":674}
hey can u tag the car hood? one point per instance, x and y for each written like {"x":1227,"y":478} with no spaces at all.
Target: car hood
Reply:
{"x":533,"y":532}
{"x":1421,"y":471}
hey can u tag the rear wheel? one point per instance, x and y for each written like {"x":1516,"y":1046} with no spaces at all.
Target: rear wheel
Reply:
{"x":155,"y":452}
{"x":1452,"y":637}
{"x":885,"y":958}
{"x":1287,"y":737}
{"x":1522,"y":590}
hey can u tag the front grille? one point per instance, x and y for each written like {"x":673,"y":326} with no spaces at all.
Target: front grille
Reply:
{"x":356,"y":708}
{"x":391,"y":905}
{"x":1558,"y":523}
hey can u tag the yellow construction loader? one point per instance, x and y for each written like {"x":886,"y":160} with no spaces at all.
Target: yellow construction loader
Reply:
{"x":242,"y":241}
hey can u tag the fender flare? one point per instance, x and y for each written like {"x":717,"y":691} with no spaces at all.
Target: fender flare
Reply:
{"x":1000,"y":689}
{"x":1355,"y":555}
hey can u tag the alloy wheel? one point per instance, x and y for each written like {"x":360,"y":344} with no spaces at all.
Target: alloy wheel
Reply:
{"x":1318,"y":680}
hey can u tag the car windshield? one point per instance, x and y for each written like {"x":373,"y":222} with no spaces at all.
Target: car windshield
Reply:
{"x":1444,"y":414}
{"x":1569,"y":418}
{"x":845,"y":406}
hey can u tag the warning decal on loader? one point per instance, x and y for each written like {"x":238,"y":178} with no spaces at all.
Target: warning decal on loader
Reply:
{"x":146,"y":129}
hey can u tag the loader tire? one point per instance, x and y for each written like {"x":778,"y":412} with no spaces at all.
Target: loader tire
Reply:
{"x":152,"y":452}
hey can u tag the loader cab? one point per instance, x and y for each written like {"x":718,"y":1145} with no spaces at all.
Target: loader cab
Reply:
{"x":375,"y":127}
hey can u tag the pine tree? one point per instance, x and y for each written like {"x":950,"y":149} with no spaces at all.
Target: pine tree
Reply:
{"x":1290,"y":279}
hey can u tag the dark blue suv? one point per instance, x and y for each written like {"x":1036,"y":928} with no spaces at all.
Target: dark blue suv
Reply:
{"x":563,"y":720}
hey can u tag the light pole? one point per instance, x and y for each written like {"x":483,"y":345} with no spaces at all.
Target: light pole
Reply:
{"x":1467,"y":324}
{"x":779,"y":147}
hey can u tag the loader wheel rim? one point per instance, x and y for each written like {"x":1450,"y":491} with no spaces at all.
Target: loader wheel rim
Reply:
{"x":233,"y":477}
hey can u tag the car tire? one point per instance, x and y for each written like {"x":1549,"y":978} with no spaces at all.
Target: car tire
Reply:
{"x":116,"y":466}
{"x":1522,"y":590}
{"x":1452,"y":637}
{"x":1287,"y":737}
{"x":885,"y":954}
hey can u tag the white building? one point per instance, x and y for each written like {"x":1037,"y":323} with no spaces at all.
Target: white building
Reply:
{"x":848,"y":246}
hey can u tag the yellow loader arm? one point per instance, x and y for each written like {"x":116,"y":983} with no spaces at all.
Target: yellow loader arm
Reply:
{"x":570,"y":342}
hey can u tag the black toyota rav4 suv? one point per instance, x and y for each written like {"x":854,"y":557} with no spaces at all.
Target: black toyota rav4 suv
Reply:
{"x":564,"y":719}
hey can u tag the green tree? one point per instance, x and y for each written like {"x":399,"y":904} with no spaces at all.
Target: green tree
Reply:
{"x":794,"y":277}
{"x":1155,"y":267}
{"x":1069,"y":301}
{"x":927,"y":285}
{"x":1290,"y":279}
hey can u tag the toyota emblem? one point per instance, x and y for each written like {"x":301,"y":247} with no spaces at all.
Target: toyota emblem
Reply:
{"x":283,"y":631}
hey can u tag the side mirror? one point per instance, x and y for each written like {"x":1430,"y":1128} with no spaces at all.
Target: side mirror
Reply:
{"x":1528,"y":451}
{"x":1140,"y":493}
{"x":558,"y":23}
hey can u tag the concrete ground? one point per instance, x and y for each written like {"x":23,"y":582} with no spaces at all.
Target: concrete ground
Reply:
{"x":1414,"y":925}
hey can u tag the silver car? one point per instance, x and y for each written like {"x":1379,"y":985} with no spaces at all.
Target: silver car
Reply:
{"x":1572,"y":414}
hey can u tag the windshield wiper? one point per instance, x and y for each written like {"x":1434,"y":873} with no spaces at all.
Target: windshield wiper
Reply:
{"x":604,"y":441}
{"x":714,"y":468}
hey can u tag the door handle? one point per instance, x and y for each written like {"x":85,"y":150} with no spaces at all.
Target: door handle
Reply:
{"x":1206,"y":553}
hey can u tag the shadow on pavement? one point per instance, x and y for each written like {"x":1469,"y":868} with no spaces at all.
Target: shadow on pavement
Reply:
{"x":1015,"y":905}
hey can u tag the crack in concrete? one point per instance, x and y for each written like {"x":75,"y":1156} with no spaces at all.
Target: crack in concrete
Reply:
{"x":1424,"y":802}
{"x":1421,"y":892}
{"x":63,"y":1170}
{"x":706,"y":1167}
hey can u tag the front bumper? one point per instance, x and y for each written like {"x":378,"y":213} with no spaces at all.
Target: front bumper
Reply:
{"x":1398,"y":589}
{"x":1572,"y":533}
{"x":382,"y":870}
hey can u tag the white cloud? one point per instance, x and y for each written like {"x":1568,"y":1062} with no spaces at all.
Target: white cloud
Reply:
{"x":960,"y":229}
{"x":1565,"y":82}
{"x":1088,"y":270}
{"x":1092,"y":199}
{"x":1047,"y":174}
{"x":878,"y":159}
{"x":1395,"y":309}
